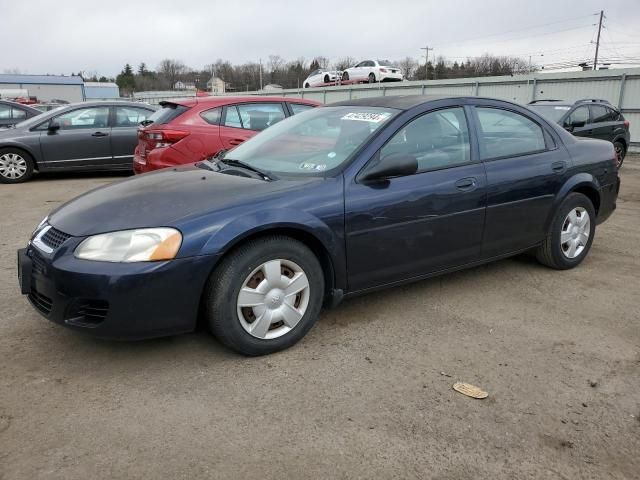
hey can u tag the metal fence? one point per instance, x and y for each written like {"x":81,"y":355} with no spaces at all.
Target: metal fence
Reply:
{"x":621,"y":87}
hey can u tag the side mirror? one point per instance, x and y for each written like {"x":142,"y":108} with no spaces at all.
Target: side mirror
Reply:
{"x":393,"y":165}
{"x":53,"y":127}
{"x":578,"y":124}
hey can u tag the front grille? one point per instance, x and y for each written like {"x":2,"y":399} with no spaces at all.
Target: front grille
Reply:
{"x":54,"y":238}
{"x":88,"y":312}
{"x":40,"y":301}
{"x":38,"y":262}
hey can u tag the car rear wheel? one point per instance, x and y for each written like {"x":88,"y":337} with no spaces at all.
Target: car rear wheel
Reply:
{"x":265,"y":296}
{"x":306,"y":85}
{"x":372,"y":78}
{"x":570,"y":235}
{"x":326,"y":79}
{"x":345,"y":76}
{"x":620,"y":152}
{"x":16,"y":166}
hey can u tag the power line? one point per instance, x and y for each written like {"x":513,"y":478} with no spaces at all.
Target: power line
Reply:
{"x":516,"y":30}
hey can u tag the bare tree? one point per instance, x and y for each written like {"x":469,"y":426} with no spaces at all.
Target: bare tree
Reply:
{"x":408,"y":66}
{"x":171,"y":70}
{"x":343,"y":63}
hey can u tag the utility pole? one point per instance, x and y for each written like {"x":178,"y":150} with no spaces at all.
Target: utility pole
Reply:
{"x":426,"y":61}
{"x":260,"y":74}
{"x":595,"y":59}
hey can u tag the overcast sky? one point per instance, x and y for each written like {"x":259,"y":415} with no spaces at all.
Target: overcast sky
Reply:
{"x":64,"y":36}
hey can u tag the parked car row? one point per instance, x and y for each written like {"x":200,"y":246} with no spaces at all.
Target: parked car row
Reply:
{"x":123,"y":135}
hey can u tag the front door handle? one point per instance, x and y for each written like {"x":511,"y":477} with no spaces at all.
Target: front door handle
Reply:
{"x":466,"y":184}
{"x":559,"y":167}
{"x":99,"y":134}
{"x":236,"y":141}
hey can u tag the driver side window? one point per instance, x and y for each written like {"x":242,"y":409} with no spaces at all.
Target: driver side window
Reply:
{"x":437,"y":140}
{"x":84,"y":118}
{"x":579,"y":116}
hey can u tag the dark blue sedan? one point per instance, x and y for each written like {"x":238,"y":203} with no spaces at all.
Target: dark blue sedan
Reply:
{"x":333,"y":202}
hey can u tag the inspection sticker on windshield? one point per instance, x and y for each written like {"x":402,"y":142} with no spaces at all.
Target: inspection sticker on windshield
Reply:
{"x":367,"y":117}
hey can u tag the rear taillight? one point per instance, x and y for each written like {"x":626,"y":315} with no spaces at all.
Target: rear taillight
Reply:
{"x":626,"y":124}
{"x":383,"y":70}
{"x":162,"y":138}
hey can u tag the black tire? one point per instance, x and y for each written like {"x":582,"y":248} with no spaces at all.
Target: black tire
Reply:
{"x":621,"y":151}
{"x":223,"y":287}
{"x":550,"y":253}
{"x":306,"y":85}
{"x":28,"y":160}
{"x":326,"y":79}
{"x":372,"y":78}
{"x":345,"y":76}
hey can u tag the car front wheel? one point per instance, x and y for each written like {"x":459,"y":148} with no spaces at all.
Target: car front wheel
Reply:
{"x":265,"y":295}
{"x":372,"y":78}
{"x":16,"y":166}
{"x":570,"y":235}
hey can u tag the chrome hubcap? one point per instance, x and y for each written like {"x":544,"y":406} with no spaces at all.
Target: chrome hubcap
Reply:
{"x":273,"y":299}
{"x":575,"y":232}
{"x":12,"y":165}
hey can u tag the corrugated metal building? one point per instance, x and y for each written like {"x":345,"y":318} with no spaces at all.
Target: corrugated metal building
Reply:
{"x":621,"y":87}
{"x":46,"y":87}
{"x":101,"y":90}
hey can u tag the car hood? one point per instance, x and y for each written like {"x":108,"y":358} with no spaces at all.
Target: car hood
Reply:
{"x":162,"y":198}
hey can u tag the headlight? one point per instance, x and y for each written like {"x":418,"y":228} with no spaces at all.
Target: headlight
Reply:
{"x":141,"y":245}
{"x":40,"y":225}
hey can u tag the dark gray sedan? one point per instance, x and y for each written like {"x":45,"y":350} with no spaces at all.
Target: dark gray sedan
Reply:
{"x":81,"y":136}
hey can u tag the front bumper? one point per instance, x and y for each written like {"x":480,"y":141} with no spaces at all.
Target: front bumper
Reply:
{"x":124,"y":301}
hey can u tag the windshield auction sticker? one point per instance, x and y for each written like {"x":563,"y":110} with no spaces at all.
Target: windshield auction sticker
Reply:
{"x":367,"y":117}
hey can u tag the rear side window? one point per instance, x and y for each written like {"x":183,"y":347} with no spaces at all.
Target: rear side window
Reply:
{"x":212,"y":116}
{"x":131,"y":116}
{"x":507,"y":134}
{"x":254,"y":116}
{"x":299,"y":108}
{"x":168,"y":112}
{"x":600,"y":113}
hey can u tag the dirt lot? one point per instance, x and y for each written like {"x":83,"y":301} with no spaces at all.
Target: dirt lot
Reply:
{"x":366,"y":395}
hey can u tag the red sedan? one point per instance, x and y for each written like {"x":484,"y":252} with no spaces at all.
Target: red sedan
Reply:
{"x":189,"y":130}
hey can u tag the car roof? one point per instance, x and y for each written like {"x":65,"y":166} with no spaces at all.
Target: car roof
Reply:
{"x":98,"y":103}
{"x":220,"y":100}
{"x":18,"y":104}
{"x":399,"y":102}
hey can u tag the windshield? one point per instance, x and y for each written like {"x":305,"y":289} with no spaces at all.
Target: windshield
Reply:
{"x":552,"y":112}
{"x":314,"y":142}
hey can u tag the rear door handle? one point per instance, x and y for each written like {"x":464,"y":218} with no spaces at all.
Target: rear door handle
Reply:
{"x":466,"y":184}
{"x":236,"y":141}
{"x":559,"y":167}
{"x":99,"y":134}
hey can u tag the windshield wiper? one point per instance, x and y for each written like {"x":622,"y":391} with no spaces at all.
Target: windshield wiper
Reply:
{"x":239,"y":163}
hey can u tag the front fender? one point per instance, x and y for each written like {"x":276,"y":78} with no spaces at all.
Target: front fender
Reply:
{"x":262,"y":221}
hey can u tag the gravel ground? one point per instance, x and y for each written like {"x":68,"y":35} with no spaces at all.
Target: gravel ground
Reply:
{"x":367,"y":394}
